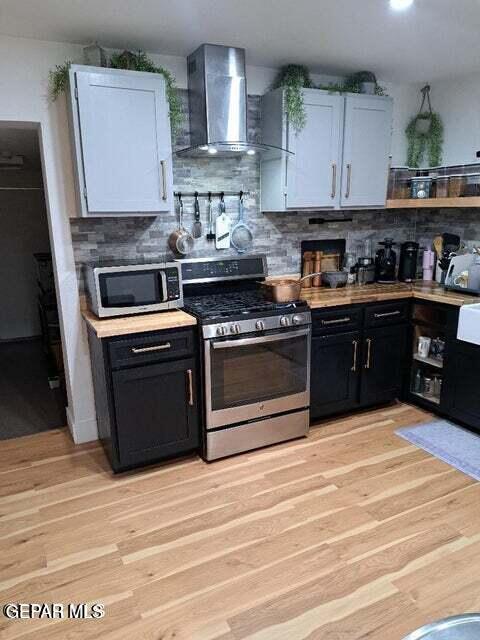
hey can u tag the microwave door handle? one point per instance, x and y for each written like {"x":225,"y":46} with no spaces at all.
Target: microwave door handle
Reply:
{"x":163,"y":278}
{"x":245,"y":342}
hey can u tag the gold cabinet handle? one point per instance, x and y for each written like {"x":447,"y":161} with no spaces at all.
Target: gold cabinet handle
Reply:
{"x":369,"y":353}
{"x":157,"y":347}
{"x":349,"y":180}
{"x":387,"y":314}
{"x":334,"y":179}
{"x":355,"y":351}
{"x":190,"y":386}
{"x":336,"y":321}
{"x":164,"y":179}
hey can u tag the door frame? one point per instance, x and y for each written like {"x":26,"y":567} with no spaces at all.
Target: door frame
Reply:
{"x":56,"y":167}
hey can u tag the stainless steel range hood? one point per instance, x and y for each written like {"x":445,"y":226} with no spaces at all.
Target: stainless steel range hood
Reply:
{"x":217,"y":96}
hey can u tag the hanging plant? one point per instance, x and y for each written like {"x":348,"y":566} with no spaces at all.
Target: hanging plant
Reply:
{"x":293,"y":78}
{"x":135,"y":62}
{"x":425,"y":135}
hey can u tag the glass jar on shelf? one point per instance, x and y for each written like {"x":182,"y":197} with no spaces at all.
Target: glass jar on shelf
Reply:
{"x":437,"y":386}
{"x":456,"y":184}
{"x":421,"y":187}
{"x":472,"y":187}
{"x":441,"y":187}
{"x":399,"y":183}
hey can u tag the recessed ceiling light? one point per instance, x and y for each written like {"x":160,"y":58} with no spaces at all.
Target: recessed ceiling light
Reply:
{"x":212,"y":150}
{"x":400,"y":5}
{"x":204,"y":147}
{"x":251,"y":152}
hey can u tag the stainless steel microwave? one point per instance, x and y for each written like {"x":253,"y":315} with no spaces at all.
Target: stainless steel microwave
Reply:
{"x":133,"y":288}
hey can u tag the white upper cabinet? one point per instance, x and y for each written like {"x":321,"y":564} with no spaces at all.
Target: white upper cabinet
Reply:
{"x":313,"y":173}
{"x":121,"y":142}
{"x":341,"y":156}
{"x":366,"y":150}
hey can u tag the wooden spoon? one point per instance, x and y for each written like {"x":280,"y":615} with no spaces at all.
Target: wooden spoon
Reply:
{"x":438,"y":246}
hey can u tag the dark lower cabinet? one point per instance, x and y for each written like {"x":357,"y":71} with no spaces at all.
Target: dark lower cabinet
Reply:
{"x":462,"y":386}
{"x":362,"y":367}
{"x":146,"y":396}
{"x":155,"y":410}
{"x":384,"y":354}
{"x":334,"y":374}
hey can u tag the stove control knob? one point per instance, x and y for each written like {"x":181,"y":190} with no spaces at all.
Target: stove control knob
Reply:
{"x":235,"y":328}
{"x":260,"y":325}
{"x":221,"y":331}
{"x":297,"y":320}
{"x":284,"y":321}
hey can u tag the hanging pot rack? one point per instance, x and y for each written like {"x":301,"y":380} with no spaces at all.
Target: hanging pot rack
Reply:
{"x":209,"y":194}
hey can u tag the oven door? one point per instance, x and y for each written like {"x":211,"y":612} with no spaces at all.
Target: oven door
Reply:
{"x":253,"y":377}
{"x":131,"y":289}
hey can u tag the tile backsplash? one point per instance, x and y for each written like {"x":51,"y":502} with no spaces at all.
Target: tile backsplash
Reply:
{"x":276,"y":234}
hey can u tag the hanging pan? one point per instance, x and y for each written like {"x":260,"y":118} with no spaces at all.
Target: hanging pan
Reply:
{"x":241,"y":237}
{"x":180,"y":241}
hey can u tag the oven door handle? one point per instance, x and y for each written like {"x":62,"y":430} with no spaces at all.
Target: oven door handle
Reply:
{"x":244,"y":342}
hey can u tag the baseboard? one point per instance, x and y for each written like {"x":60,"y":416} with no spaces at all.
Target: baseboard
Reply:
{"x":83,"y":430}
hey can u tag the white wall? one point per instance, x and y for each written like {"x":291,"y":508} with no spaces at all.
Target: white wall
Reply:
{"x":23,"y":232}
{"x":458,"y":103}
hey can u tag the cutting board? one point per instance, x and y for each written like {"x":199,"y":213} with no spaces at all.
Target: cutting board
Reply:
{"x":222,"y":231}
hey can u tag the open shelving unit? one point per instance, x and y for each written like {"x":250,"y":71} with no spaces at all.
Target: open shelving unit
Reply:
{"x":433,"y":203}
{"x":429,"y":320}
{"x":433,"y":362}
{"x":427,"y":398}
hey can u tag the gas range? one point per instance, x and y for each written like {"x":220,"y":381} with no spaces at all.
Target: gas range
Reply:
{"x":255,"y":356}
{"x":240,"y":312}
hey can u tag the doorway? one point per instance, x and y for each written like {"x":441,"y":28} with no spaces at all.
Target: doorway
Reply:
{"x":32,"y":388}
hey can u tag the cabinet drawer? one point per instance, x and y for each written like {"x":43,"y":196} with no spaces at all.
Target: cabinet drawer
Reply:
{"x":150,"y":348}
{"x":381,"y":315}
{"x":338,"y":320}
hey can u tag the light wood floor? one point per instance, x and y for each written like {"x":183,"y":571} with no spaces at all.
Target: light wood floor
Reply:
{"x":351,"y":533}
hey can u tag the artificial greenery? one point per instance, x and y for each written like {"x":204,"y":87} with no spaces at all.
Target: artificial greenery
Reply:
{"x":141,"y":62}
{"x":293,"y":78}
{"x":133,"y":61}
{"x":352,"y":84}
{"x":58,"y":79}
{"x":425,"y":145}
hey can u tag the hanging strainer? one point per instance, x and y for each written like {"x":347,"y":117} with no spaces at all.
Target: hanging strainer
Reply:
{"x":241,"y":236}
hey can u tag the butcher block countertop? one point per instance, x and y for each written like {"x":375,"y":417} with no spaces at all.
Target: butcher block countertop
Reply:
{"x":324,"y":297}
{"x":108,"y":327}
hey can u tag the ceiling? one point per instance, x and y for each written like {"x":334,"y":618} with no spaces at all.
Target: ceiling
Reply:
{"x":434,"y":39}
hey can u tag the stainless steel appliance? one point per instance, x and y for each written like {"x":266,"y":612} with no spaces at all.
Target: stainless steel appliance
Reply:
{"x":217,"y":97}
{"x":255,"y":356}
{"x":120,"y":289}
{"x":365,"y":270}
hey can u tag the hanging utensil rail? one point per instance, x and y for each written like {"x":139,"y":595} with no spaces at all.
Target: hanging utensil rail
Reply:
{"x":205,"y":194}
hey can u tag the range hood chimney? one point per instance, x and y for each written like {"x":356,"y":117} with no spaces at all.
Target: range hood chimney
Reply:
{"x":217,"y":97}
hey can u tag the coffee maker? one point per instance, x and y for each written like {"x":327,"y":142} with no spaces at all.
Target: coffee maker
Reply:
{"x":407,"y":271}
{"x":386,"y":262}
